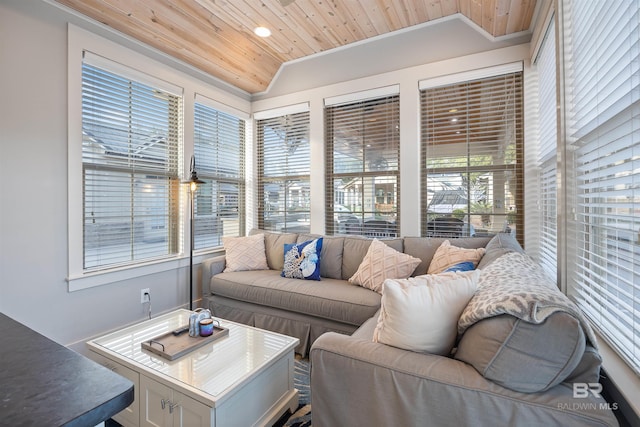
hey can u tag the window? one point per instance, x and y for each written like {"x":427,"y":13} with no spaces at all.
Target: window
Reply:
{"x":132,"y":134}
{"x":602,"y":69}
{"x":362,"y":152}
{"x":219,"y":140}
{"x":283,"y":172}
{"x":546,"y":153}
{"x":472,"y":156}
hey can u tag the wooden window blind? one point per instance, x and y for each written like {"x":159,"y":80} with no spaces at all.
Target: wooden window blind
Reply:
{"x":219,"y":147}
{"x":283,"y":157}
{"x":131,"y":140}
{"x":472,"y":157}
{"x":602,"y":62}
{"x":362,"y":170}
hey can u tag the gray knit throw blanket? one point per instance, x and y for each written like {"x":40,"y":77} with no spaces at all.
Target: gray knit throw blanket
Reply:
{"x":515,"y":284}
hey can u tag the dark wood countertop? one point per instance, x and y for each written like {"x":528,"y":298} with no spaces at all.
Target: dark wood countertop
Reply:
{"x":43,"y":383}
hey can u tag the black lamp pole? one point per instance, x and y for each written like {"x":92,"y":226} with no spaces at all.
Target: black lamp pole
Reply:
{"x":192,"y":193}
{"x":193,"y":186}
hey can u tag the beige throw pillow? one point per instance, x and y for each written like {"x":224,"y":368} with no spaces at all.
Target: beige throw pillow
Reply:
{"x":382,"y":262}
{"x":421,"y":313}
{"x":447,"y":256}
{"x":245,"y":253}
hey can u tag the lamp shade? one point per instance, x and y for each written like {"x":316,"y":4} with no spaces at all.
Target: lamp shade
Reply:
{"x":194,"y":174}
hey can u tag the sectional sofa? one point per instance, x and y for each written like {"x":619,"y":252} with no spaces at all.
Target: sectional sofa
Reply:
{"x":502,"y":370}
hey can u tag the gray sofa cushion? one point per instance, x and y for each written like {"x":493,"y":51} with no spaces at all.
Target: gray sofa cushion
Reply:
{"x":329,"y":298}
{"x":274,"y":246}
{"x":588,"y":370}
{"x":355,"y":249}
{"x":331,"y":255}
{"x":424,"y":248}
{"x":500,"y":244}
{"x":523,"y":356}
{"x":365,"y":331}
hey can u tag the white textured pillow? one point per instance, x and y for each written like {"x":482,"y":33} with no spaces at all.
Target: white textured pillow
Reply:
{"x":383,"y":262}
{"x":448,"y":255}
{"x":245,"y":253}
{"x":421,"y":313}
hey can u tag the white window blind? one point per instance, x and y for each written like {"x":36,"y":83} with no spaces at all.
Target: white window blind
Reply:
{"x":362,"y":171}
{"x":602,"y":61}
{"x":131,"y":140}
{"x":219,"y":142}
{"x":547,"y":146}
{"x":472,"y":157}
{"x":548,"y":256}
{"x":284,"y":167}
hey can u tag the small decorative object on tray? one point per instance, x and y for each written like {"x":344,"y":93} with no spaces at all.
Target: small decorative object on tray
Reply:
{"x":195,"y":318}
{"x":206,"y":327}
{"x":174,"y":344}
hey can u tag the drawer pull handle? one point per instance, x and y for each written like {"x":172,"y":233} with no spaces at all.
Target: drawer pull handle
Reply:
{"x":172,"y":406}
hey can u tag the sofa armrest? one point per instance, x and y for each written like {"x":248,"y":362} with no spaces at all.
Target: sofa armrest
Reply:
{"x":211,"y":267}
{"x":358,"y":382}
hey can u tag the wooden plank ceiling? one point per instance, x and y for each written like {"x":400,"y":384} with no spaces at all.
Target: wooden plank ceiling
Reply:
{"x":216,"y":36}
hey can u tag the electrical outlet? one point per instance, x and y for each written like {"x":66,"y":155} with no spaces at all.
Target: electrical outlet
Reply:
{"x":145,"y":295}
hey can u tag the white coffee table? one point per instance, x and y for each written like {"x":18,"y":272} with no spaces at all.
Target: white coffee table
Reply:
{"x":243,"y":379}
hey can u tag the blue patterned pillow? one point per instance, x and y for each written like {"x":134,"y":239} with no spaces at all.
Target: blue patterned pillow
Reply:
{"x":463,"y":266}
{"x":302,"y":260}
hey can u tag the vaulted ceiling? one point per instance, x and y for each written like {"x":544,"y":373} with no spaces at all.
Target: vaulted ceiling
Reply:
{"x":217,"y":36}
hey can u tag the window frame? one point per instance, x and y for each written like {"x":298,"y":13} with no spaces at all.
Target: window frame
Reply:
{"x":301,"y":116}
{"x":151,"y":176}
{"x":240,"y":181}
{"x":350,"y":111}
{"x":456,"y":227}
{"x":78,"y":41}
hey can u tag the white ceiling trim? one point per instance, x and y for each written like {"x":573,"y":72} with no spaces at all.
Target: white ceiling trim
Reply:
{"x":281,"y":111}
{"x":201,"y":99}
{"x":130,"y":73}
{"x":466,"y":76}
{"x":362,"y":95}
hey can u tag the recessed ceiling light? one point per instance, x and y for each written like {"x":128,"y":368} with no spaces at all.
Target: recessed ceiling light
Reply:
{"x":262,"y":31}
{"x":453,"y":110}
{"x":455,"y":119}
